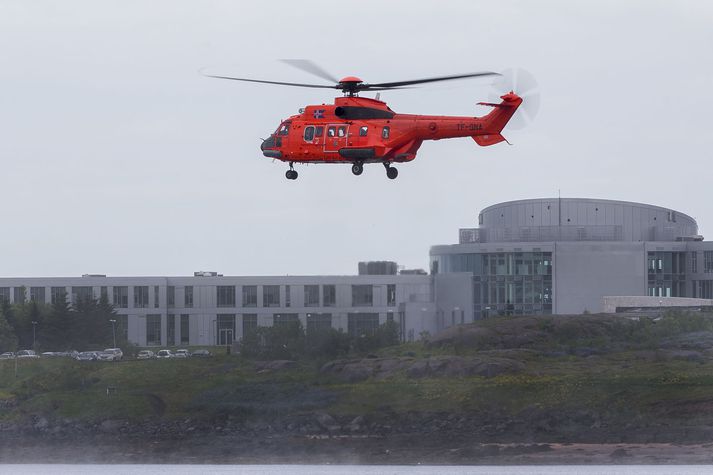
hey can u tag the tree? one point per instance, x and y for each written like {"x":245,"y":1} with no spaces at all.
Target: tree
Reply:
{"x":8,"y":340}
{"x":56,"y":332}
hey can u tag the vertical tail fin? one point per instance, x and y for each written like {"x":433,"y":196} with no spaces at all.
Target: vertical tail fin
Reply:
{"x":497,"y":119}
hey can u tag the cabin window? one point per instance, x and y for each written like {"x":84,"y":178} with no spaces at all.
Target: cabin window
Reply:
{"x":385,"y":132}
{"x":284,"y":129}
{"x":363,"y":130}
{"x":309,"y":133}
{"x":318,"y":131}
{"x":342,"y":131}
{"x":331,"y":131}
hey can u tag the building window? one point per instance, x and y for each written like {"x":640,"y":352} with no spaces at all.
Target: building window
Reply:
{"x":249,"y":323}
{"x":156,"y":299}
{"x":319,"y":322}
{"x":171,"y":330}
{"x":363,"y":324}
{"x":226,"y":295}
{"x":171,"y":296}
{"x":390,"y":317}
{"x":285,"y":319}
{"x":707,"y":262}
{"x":311,"y":295}
{"x":82,"y":294}
{"x":249,"y":295}
{"x":5,"y":294}
{"x":57,"y":295}
{"x":121,"y":296}
{"x":271,"y":296}
{"x":288,"y":297}
{"x":185,"y":329}
{"x":362,"y":295}
{"x":188,"y":296}
{"x":19,"y":295}
{"x":141,"y":296}
{"x":122,"y":327}
{"x":225,"y":329}
{"x":104,"y":293}
{"x":153,"y":327}
{"x":329,"y":295}
{"x":694,"y":262}
{"x":37,"y":294}
{"x":391,"y":295}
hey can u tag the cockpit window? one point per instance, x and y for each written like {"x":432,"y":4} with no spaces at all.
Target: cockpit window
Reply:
{"x":284,"y":129}
{"x":309,"y":133}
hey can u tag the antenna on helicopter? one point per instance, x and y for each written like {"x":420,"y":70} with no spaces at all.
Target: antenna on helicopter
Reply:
{"x":378,"y":96}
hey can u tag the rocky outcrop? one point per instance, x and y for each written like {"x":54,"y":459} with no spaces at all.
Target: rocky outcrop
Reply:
{"x":354,"y":370}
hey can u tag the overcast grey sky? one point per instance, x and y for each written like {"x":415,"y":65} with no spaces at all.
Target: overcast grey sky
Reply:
{"x":117,"y":157}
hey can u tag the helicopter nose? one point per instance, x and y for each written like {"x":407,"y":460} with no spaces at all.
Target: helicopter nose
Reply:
{"x":268,"y":143}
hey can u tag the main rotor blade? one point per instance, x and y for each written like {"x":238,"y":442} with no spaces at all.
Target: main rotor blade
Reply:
{"x":309,"y":67}
{"x":436,"y":79}
{"x":322,"y":86}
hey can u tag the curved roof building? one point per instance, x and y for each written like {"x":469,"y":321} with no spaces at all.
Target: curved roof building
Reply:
{"x":562,"y":255}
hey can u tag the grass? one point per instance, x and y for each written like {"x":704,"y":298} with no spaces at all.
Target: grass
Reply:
{"x":625,"y":378}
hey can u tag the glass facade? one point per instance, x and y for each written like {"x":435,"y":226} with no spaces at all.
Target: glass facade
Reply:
{"x":120,"y":294}
{"x":318,"y":322}
{"x":225,"y":295}
{"x":362,"y":324}
{"x":153,"y":329}
{"x":249,"y":295}
{"x":666,"y":274}
{"x":311,"y":295}
{"x":504,"y":283}
{"x":141,"y":296}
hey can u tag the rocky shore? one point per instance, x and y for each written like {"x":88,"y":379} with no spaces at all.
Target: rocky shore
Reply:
{"x":532,"y":437}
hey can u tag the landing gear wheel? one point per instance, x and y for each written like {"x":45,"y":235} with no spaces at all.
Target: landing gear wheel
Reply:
{"x":357,"y":169}
{"x":392,"y":173}
{"x":291,"y":174}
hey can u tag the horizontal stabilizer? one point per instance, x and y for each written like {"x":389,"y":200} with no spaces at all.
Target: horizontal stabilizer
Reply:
{"x":490,"y":104}
{"x":490,"y":139}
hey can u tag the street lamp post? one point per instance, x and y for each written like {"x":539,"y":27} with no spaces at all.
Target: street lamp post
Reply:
{"x":113,"y":331}
{"x":34,"y":339}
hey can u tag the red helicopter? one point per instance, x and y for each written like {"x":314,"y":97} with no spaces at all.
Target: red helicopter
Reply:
{"x":359,"y":130}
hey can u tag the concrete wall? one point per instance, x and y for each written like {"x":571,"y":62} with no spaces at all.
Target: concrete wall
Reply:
{"x":585,"y":272}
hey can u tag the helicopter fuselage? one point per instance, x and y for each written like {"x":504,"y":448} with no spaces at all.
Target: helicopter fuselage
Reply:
{"x":363,"y":130}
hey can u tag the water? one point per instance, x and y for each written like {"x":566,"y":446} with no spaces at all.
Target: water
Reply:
{"x":31,"y":469}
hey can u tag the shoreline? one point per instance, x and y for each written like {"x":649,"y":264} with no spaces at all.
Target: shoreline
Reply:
{"x":324,"y":450}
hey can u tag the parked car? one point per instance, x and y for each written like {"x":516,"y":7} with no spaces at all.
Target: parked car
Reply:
{"x":202,"y":354}
{"x":163,"y":354}
{"x":112,"y":354}
{"x":86,"y":356}
{"x":145,"y":355}
{"x":52,"y":354}
{"x":8,"y":355}
{"x":182,"y":354}
{"x":30,"y":354}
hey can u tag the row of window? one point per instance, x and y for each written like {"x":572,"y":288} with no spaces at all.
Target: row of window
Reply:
{"x":315,"y":131}
{"x":362,"y":295}
{"x":358,"y":324}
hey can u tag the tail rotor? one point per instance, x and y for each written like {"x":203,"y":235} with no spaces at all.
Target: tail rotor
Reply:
{"x":522,"y":83}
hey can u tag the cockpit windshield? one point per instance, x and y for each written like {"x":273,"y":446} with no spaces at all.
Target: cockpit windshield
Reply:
{"x":284,"y":129}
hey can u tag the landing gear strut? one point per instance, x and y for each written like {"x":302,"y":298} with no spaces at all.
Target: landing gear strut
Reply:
{"x":391,"y":172}
{"x":291,"y":174}
{"x":357,"y":168}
